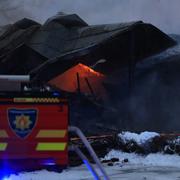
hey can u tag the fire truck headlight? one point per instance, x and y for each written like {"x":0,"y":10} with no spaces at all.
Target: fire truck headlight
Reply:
{"x":5,"y":178}
{"x":48,"y":162}
{"x":56,"y":93}
{"x":5,"y":174}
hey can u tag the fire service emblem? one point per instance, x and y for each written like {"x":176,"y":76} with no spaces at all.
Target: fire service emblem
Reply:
{"x":22,"y":121}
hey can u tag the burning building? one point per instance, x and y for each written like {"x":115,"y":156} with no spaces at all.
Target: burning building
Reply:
{"x":72,"y":56}
{"x":80,"y":78}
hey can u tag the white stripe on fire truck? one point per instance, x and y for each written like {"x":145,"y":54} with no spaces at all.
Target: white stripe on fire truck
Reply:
{"x":25,"y":100}
{"x":51,"y":146}
{"x":51,"y":134}
{"x":3,"y":134}
{"x":3,"y":146}
{"x":39,"y":100}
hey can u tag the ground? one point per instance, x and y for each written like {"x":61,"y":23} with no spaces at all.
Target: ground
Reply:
{"x":150,"y":167}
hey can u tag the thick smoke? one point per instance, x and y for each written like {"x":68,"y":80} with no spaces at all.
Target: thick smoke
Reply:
{"x":162,"y":13}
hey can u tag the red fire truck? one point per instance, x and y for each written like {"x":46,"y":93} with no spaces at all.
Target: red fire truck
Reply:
{"x":33,"y":130}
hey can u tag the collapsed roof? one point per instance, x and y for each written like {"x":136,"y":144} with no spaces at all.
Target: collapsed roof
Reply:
{"x":47,"y":50}
{"x":55,"y":51}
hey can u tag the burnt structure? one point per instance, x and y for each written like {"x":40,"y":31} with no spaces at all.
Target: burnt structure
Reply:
{"x":115,"y":50}
{"x":65,"y":40}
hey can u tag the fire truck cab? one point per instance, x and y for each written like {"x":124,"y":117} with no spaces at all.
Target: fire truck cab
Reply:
{"x":33,"y":130}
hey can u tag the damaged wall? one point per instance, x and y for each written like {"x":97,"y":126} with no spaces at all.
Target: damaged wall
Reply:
{"x":153,"y":103}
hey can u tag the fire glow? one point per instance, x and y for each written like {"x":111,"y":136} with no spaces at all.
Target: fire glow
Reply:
{"x":90,"y":70}
{"x":67,"y":81}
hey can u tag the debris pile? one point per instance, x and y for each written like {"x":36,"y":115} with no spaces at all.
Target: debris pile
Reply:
{"x":143,"y":144}
{"x":101,"y":144}
{"x":172,"y":146}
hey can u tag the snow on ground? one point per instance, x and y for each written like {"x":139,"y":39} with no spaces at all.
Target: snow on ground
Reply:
{"x":149,"y":167}
{"x":76,"y":173}
{"x":140,"y":139}
{"x":139,"y":167}
{"x":157,"y":159}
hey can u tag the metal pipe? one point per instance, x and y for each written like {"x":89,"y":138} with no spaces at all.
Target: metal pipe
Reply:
{"x":86,"y":161}
{"x":90,"y":149}
{"x":20,"y":78}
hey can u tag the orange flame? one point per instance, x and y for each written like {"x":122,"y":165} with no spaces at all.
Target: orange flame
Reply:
{"x":88,"y":69}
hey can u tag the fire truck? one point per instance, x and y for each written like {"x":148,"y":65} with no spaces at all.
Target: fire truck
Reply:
{"x":34,"y":130}
{"x":33,"y":127}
